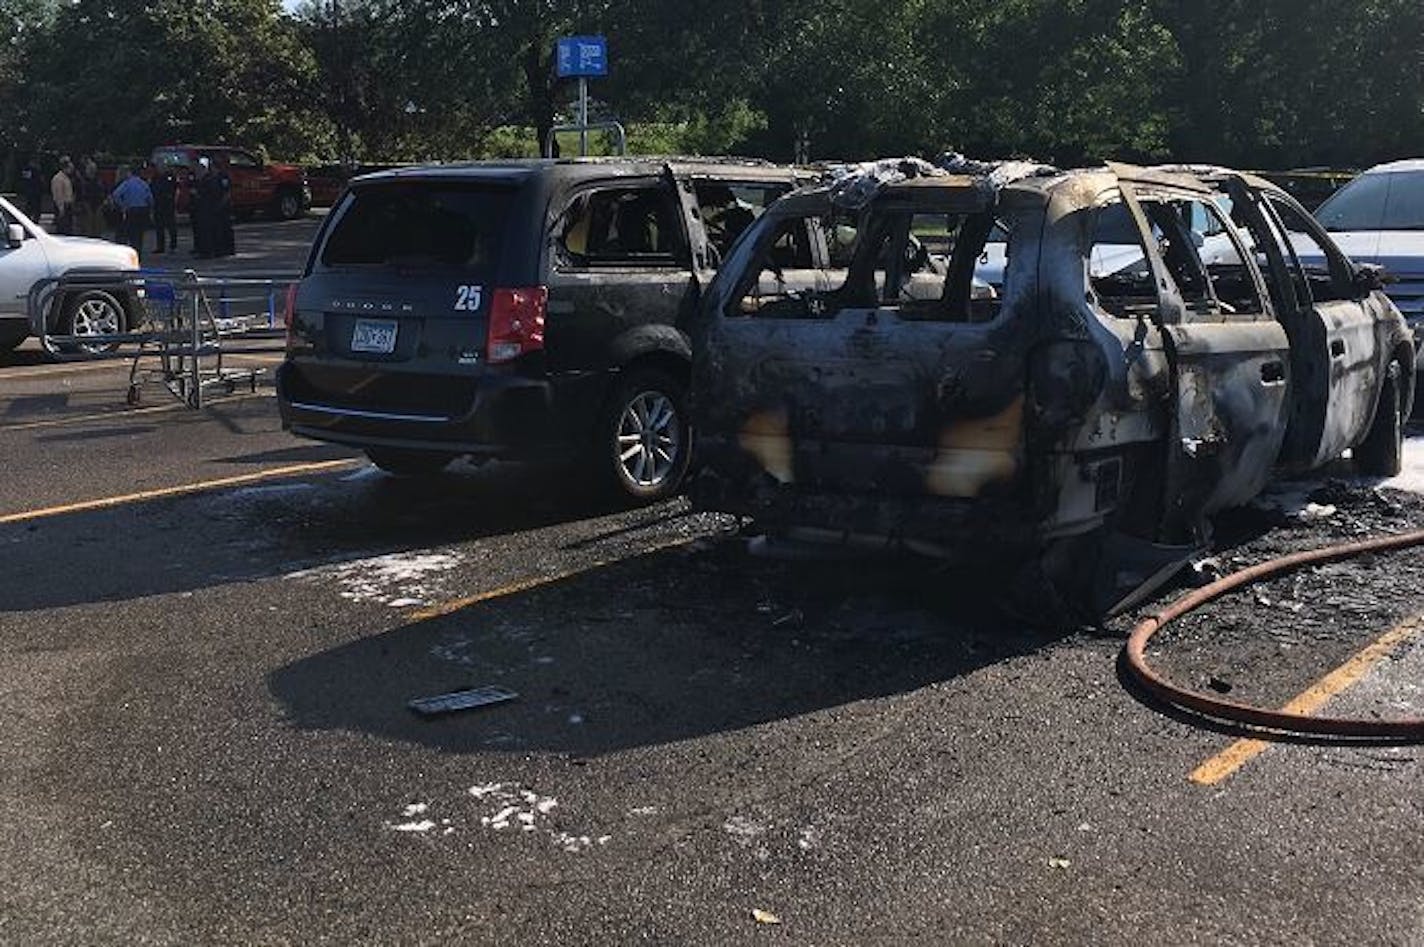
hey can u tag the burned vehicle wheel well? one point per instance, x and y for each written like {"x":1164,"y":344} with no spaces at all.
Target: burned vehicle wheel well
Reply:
{"x":669,"y":363}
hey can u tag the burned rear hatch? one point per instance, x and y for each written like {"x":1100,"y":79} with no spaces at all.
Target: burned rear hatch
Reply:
{"x":393,"y":313}
{"x":891,"y":368}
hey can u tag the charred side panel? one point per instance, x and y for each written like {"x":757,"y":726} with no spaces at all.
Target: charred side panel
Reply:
{"x":1098,"y":386}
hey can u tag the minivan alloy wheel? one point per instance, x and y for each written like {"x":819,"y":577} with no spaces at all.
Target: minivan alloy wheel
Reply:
{"x":650,"y":439}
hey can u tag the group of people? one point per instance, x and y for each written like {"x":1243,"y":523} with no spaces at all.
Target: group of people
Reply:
{"x":145,"y":197}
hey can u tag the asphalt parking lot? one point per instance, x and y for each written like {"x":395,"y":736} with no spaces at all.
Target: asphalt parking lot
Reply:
{"x":210,"y":630}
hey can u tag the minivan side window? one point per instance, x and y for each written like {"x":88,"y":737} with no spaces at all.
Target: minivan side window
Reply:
{"x":783,"y":282}
{"x":1118,"y":270}
{"x":636,"y":225}
{"x":1223,"y":252}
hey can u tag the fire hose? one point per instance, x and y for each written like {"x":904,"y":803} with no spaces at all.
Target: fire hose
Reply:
{"x":1135,"y":652}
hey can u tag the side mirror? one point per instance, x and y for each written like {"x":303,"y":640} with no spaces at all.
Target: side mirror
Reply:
{"x":1198,"y":239}
{"x":1368,"y":279}
{"x":14,"y":236}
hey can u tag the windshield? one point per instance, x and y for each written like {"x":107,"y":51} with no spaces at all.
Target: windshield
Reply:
{"x":419,"y":225}
{"x":1391,"y":201}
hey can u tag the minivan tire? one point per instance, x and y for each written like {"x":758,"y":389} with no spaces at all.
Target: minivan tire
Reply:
{"x":1381,"y":453}
{"x":645,"y":443}
{"x":409,"y":463}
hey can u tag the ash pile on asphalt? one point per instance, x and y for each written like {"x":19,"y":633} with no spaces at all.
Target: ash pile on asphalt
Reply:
{"x":1265,"y":643}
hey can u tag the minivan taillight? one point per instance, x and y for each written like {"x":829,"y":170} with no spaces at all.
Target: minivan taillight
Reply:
{"x":516,"y":322}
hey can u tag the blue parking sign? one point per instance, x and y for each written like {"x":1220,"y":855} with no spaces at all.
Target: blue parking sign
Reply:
{"x":580,"y":56}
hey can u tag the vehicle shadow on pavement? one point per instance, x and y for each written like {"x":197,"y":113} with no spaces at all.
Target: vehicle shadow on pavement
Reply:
{"x":665,"y":647}
{"x":193,"y":543}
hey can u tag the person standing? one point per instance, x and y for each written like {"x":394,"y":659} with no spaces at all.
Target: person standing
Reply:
{"x":32,"y":189}
{"x":199,"y":211}
{"x":134,"y":199}
{"x":61,"y":191}
{"x":225,"y":240}
{"x":89,"y":200}
{"x":165,"y":208}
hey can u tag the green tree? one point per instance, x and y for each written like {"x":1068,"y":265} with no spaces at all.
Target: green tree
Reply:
{"x":119,"y":76}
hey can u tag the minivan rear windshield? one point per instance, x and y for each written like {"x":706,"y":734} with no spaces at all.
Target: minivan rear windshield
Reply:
{"x":417,"y":224}
{"x":1384,"y":201}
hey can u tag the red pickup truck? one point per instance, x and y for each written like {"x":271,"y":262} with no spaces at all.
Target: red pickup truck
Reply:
{"x":279,"y":189}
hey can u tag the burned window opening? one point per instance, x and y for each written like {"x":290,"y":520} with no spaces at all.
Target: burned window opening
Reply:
{"x":1118,"y":271}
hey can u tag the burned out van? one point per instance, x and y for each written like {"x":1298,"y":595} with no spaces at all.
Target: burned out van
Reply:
{"x":1152,"y":350}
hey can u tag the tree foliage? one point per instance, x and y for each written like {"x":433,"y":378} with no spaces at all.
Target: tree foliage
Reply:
{"x":1246,"y":82}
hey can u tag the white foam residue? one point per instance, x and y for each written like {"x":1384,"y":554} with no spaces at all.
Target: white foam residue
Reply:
{"x":1411,"y":478}
{"x":507,"y":806}
{"x":425,"y":825}
{"x":578,"y":843}
{"x":405,"y":578}
{"x":743,"y":829}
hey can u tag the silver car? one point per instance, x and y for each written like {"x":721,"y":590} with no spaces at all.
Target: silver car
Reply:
{"x":1379,"y":218}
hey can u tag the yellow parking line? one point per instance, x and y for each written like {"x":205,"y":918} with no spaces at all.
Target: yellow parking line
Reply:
{"x":124,"y":413}
{"x":441,"y":609}
{"x":1338,"y":681}
{"x":203,"y":486}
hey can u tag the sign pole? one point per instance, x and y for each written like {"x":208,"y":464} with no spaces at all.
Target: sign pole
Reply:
{"x":583,"y":116}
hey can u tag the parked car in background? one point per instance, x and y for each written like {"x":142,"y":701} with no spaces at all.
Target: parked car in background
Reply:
{"x":518,"y":309}
{"x":28,"y":254}
{"x":329,"y":180}
{"x":1379,"y":219}
{"x":1119,"y":386}
{"x":1311,"y":186}
{"x":279,"y":190}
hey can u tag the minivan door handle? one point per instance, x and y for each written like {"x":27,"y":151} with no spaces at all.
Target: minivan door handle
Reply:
{"x":1337,"y":348}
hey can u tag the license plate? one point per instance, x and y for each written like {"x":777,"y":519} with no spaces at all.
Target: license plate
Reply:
{"x":371,"y":335}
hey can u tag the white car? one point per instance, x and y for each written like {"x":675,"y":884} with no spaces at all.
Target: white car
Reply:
{"x":1379,"y":218}
{"x":28,"y":254}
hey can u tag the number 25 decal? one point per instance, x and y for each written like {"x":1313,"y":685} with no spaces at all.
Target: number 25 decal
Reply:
{"x":468,"y":298}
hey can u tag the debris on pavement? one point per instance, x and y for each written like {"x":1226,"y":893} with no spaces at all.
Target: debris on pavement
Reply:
{"x":461,"y":700}
{"x":1059,"y":863}
{"x":764,"y":917}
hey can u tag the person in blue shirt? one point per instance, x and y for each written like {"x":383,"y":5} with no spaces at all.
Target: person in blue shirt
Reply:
{"x":134,"y":200}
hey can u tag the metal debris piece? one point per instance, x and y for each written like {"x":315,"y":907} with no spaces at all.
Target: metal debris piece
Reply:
{"x":461,"y":700}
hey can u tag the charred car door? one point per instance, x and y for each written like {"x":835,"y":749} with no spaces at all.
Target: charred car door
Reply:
{"x":1229,"y":359}
{"x":1335,"y":352}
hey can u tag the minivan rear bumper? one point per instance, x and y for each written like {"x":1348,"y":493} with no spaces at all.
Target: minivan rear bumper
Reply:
{"x":494,"y":416}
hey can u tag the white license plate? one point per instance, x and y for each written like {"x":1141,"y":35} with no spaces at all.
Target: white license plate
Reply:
{"x":371,"y":335}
